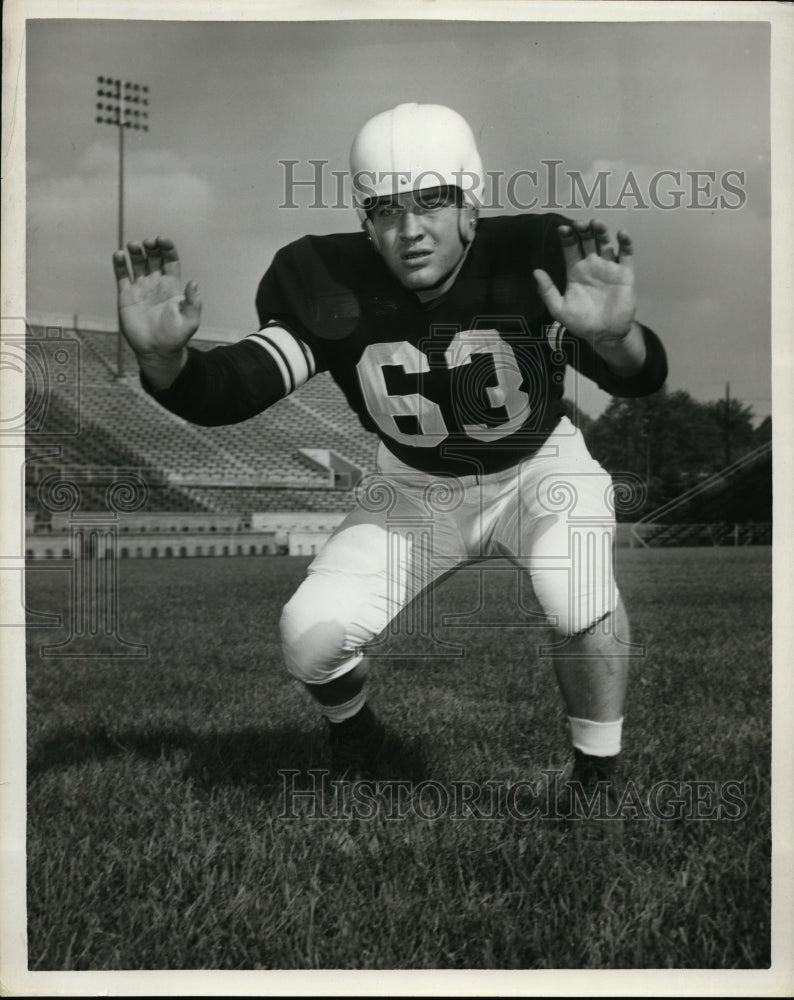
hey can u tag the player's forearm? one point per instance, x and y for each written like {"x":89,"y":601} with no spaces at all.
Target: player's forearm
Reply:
{"x":223,"y":386}
{"x":624,"y":355}
{"x":161,"y":371}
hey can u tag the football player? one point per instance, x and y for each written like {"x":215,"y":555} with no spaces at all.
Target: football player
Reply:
{"x":449,"y":335}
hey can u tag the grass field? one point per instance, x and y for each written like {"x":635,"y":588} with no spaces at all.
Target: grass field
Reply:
{"x":156,"y":830}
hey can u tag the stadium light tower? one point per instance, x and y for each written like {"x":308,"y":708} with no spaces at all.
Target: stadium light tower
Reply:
{"x":124,"y":105}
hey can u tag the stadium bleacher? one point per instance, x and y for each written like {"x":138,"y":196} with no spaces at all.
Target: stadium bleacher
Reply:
{"x":243,"y":468}
{"x":249,"y":499}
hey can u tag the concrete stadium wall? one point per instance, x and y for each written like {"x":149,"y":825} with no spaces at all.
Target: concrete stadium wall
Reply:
{"x":165,"y":544}
{"x":307,"y":543}
{"x":101,"y":324}
{"x":295,"y":521}
{"x":178,"y":535}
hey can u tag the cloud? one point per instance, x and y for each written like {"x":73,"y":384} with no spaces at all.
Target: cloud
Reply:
{"x":158,"y":188}
{"x":70,"y":213}
{"x":673,"y":186}
{"x":687,"y":228}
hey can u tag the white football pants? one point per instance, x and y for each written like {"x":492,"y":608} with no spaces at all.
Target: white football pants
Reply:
{"x":553,"y":515}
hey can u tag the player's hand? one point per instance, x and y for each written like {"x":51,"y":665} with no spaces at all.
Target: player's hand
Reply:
{"x":599,"y":301}
{"x":156,"y":316}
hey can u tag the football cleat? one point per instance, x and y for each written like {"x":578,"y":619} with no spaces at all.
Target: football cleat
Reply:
{"x":356,"y":745}
{"x":589,"y":801}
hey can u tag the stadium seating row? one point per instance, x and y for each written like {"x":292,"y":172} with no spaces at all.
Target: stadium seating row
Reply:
{"x":241,"y":499}
{"x":115,"y":425}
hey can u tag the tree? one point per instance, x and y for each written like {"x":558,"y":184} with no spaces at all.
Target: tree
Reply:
{"x":763,"y":431}
{"x":735,"y":424}
{"x":670,"y":441}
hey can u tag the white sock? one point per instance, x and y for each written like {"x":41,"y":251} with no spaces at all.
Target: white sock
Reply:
{"x":599,"y":739}
{"x":338,"y":713}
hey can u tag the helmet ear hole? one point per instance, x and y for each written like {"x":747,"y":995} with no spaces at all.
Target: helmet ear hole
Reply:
{"x":369,"y":229}
{"x":467,"y":222}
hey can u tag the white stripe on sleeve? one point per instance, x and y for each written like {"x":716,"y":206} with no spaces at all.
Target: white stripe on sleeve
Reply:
{"x":555,"y":333}
{"x":292,"y":356}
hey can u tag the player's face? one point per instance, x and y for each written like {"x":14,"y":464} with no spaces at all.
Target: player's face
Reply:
{"x":418,"y":237}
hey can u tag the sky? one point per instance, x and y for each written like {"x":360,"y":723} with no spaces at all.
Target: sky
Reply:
{"x":230,"y":101}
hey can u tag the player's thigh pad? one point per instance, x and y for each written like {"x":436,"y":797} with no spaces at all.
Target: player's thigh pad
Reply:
{"x":366,"y":573}
{"x":562,"y":529}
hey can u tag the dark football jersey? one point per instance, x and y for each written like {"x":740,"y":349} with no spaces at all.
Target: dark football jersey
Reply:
{"x":470,"y":382}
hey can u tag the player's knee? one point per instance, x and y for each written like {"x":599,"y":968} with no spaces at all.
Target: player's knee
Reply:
{"x":577,"y":622}
{"x":570,"y":613}
{"x":315,"y":634}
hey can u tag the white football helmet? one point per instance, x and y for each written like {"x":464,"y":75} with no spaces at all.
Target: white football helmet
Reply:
{"x":414,"y":147}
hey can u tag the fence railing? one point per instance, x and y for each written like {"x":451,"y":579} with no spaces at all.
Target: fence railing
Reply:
{"x":715,"y":533}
